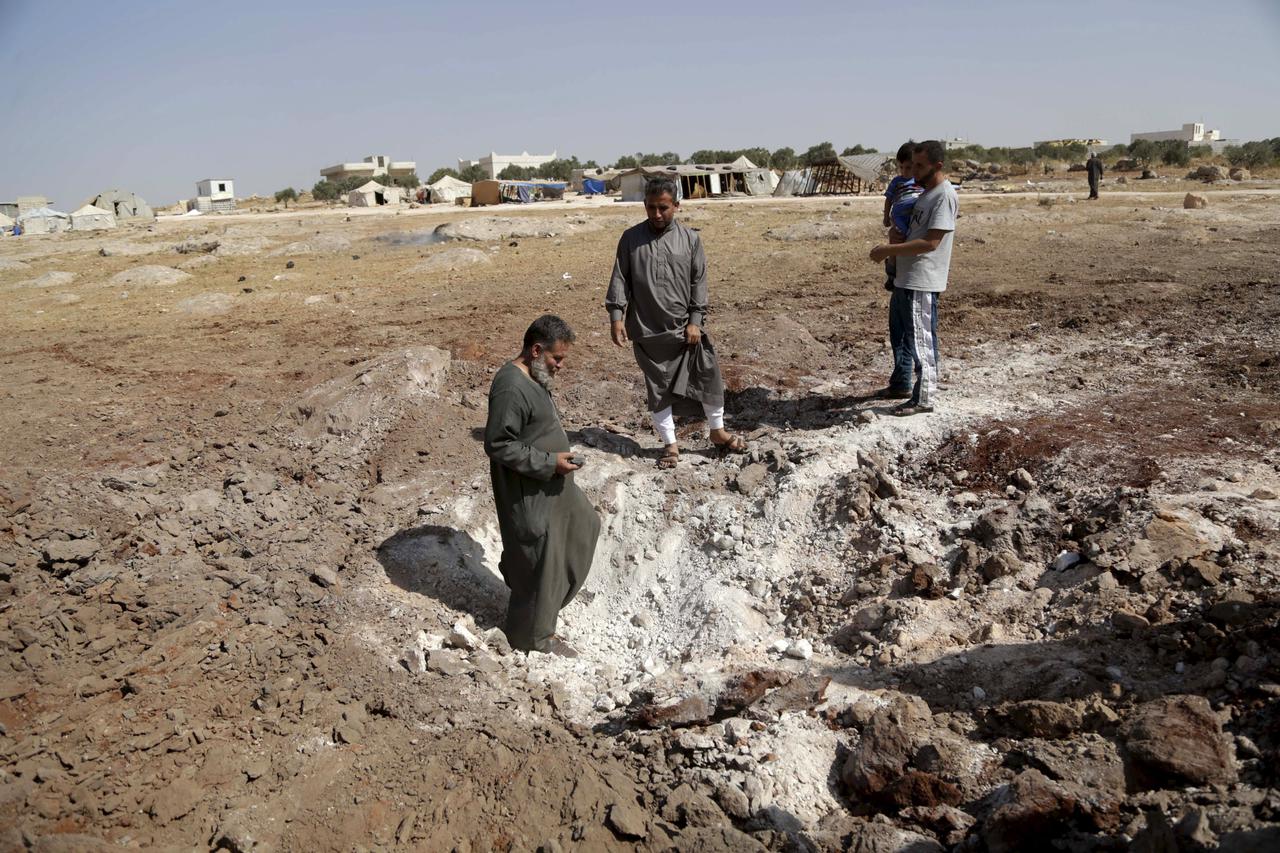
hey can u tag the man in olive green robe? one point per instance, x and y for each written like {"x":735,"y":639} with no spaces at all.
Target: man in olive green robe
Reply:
{"x":548,"y":526}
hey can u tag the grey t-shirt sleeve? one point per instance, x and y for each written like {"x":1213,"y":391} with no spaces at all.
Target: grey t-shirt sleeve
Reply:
{"x":942,"y":217}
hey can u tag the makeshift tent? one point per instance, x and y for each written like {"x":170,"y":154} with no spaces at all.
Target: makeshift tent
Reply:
{"x":608,"y":177}
{"x":758,"y":181}
{"x":125,"y":205}
{"x":838,"y":176}
{"x":373,"y":194}
{"x":5,"y":222}
{"x":517,"y":192}
{"x":44,"y":220}
{"x":448,"y":190}
{"x":593,"y":187}
{"x":90,"y":218}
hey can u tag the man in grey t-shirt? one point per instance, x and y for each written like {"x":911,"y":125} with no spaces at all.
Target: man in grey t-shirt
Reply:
{"x":924,"y":262}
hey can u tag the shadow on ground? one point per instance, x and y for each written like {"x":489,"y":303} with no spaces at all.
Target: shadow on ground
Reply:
{"x":447,"y":565}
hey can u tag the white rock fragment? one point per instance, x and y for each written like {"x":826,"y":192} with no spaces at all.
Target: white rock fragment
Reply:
{"x":800,"y":650}
{"x":460,"y":637}
{"x":779,"y":646}
{"x":414,"y":659}
{"x":1065,"y":560}
{"x":979,"y":693}
{"x":604,"y":704}
{"x":653,"y":667}
{"x":430,"y":642}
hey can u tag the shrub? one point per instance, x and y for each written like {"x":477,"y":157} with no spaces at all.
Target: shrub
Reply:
{"x":287,"y":195}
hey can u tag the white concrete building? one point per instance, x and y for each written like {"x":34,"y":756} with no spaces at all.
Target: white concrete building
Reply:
{"x":213,"y":194}
{"x":493,"y":163}
{"x":373,"y":166}
{"x":1192,"y":134}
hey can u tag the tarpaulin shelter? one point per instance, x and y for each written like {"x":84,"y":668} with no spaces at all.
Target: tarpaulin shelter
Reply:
{"x":44,"y":220}
{"x":700,"y":180}
{"x":608,"y":177}
{"x":516,"y":192}
{"x":91,"y":218}
{"x":590,"y":186}
{"x":5,"y":222}
{"x":124,"y":205}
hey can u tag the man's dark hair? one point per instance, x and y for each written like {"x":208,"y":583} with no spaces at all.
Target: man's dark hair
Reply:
{"x":932,"y":149}
{"x":548,"y":330}
{"x":905,"y":149}
{"x":655,"y":187}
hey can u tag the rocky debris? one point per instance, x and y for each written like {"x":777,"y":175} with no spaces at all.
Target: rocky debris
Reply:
{"x":745,"y":690}
{"x":1176,"y":739}
{"x":687,"y":711}
{"x":1032,"y":809}
{"x":205,"y":304}
{"x":448,"y":260}
{"x":1234,"y":608}
{"x":174,"y":800}
{"x":1039,"y":718}
{"x":194,"y":246}
{"x":498,"y":228}
{"x":880,"y":768}
{"x":1239,"y":173}
{"x":1208,"y":172}
{"x":751,"y":478}
{"x":149,"y":275}
{"x":627,"y":820}
{"x":1175,"y":537}
{"x":1194,"y":201}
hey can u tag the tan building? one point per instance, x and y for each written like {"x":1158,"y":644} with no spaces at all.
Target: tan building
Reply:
{"x":373,"y":166}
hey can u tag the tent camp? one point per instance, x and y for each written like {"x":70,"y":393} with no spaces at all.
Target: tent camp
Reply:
{"x":90,"y":218}
{"x":847,"y":175}
{"x":124,"y":205}
{"x":701,"y":180}
{"x":6,"y":223}
{"x":448,"y":190}
{"x":515,"y":192}
{"x":608,"y":177}
{"x":44,"y":220}
{"x":373,"y":194}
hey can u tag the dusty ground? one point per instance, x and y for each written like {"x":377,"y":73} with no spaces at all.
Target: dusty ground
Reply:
{"x":243,"y":508}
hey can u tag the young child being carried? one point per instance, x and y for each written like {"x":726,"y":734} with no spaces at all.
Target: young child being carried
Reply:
{"x":899,"y":201}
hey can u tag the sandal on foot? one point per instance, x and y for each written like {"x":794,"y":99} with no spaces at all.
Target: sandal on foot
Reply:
{"x":669,"y":460}
{"x":735,"y":444}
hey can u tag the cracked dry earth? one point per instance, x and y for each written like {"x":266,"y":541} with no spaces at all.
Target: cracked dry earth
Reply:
{"x":248,"y":585}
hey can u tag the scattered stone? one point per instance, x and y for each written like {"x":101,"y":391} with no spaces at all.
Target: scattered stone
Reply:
{"x":1239,"y":173}
{"x":1001,"y":564}
{"x":460,"y":637}
{"x":1202,"y":572}
{"x":1023,"y":480}
{"x":1029,"y":810}
{"x":150,"y":275}
{"x":1128,"y":623}
{"x":627,"y":820}
{"x":1194,"y":201}
{"x":752,"y":477}
{"x":1235,"y":608}
{"x":800,"y":694}
{"x":1176,"y":739}
{"x":800,"y":650}
{"x":325,"y":576}
{"x":174,"y":800}
{"x":448,"y":662}
{"x":1065,"y":560}
{"x":742,"y":692}
{"x":1039,"y":718}
{"x":691,"y":710}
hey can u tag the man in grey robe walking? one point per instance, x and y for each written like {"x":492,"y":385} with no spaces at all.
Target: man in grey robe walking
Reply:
{"x":548,"y":526}
{"x":657,"y":300}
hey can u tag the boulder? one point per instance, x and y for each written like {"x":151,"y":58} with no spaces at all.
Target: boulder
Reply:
{"x":1208,"y":172}
{"x":1239,"y":174}
{"x":1193,"y":201}
{"x":1032,"y":808}
{"x":1174,"y":537}
{"x":1038,"y":718}
{"x":1175,"y":741}
{"x":879,"y":769}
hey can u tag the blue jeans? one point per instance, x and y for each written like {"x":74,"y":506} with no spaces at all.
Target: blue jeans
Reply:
{"x":913,"y":336}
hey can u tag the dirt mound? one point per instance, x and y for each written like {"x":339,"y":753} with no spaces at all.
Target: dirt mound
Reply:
{"x":317,"y":245}
{"x":827,"y":230}
{"x":493,"y":228}
{"x":149,"y":275}
{"x":206,"y":304}
{"x":49,"y":279}
{"x":452,"y":259}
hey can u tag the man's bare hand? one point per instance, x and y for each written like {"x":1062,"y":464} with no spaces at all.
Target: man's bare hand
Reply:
{"x":880,"y":253}
{"x":564,"y":464}
{"x":692,"y":335}
{"x":618,"y":331}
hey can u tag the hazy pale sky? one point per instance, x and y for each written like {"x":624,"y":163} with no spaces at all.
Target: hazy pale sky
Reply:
{"x":155,"y":96}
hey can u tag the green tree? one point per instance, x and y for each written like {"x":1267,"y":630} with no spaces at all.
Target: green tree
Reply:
{"x":857,"y":149}
{"x":818,"y":153}
{"x":783,"y":159}
{"x":473,"y":173}
{"x":324,"y":190}
{"x":516,"y":173}
{"x":287,"y":195}
{"x":409,"y":181}
{"x":626,"y":161}
{"x":441,"y":172}
{"x":1144,"y":151}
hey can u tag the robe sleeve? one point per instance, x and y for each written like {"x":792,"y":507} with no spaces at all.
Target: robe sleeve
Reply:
{"x":616,"y":299}
{"x":508,"y":413}
{"x":698,"y":283}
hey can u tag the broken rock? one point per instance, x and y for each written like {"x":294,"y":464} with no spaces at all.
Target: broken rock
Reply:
{"x":1176,"y":740}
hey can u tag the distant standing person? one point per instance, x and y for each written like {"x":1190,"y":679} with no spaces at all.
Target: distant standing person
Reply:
{"x":657,"y":301}
{"x":924,"y":262}
{"x":899,"y":200}
{"x":1094,"y":168}
{"x":548,"y":526}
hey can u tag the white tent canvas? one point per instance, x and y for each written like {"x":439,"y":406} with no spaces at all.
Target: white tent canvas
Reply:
{"x":5,"y":222}
{"x":91,"y":218}
{"x":44,"y":220}
{"x":449,"y":189}
{"x":373,"y":194}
